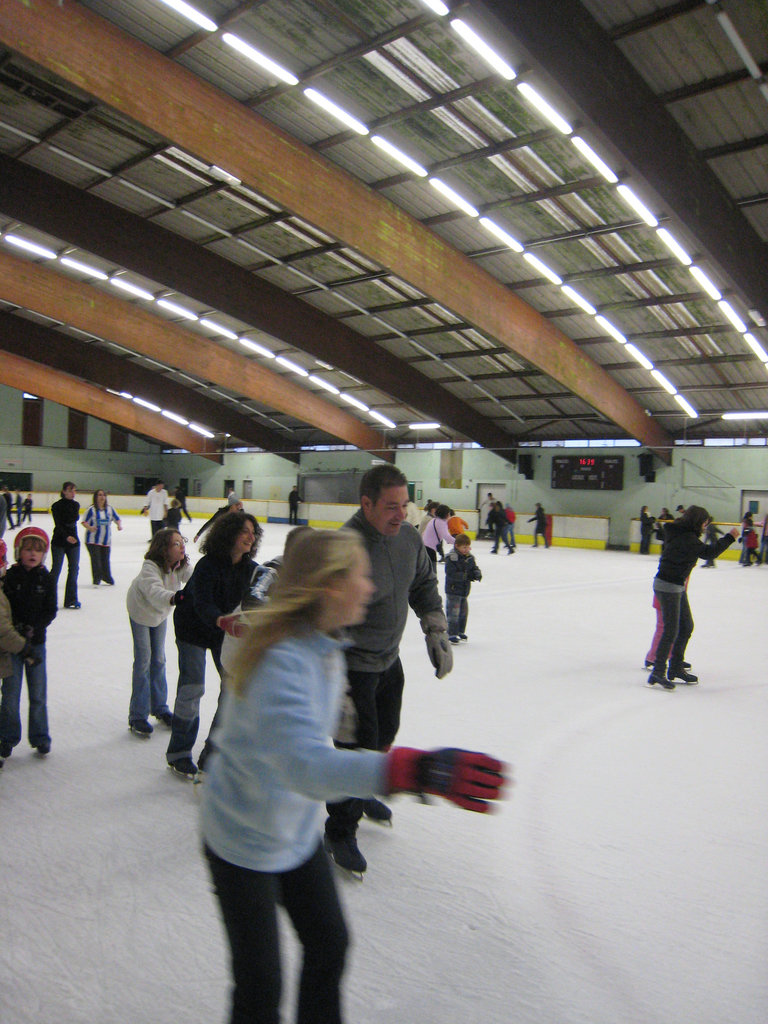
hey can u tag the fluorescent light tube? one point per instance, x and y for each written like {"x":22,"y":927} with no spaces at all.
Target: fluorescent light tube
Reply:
{"x":259,"y":58}
{"x":739,"y":45}
{"x":705,"y":283}
{"x":542,"y":268}
{"x":175,"y":418}
{"x":336,"y":111}
{"x":200,"y":430}
{"x":178,"y":310}
{"x":589,"y":154}
{"x":610,"y":329}
{"x":756,"y":347}
{"x":423,"y":426}
{"x":687,"y":406}
{"x":189,"y":12}
{"x":132,"y":289}
{"x":579,"y":299}
{"x":36,"y":250}
{"x":213,"y":326}
{"x":146,"y":404}
{"x":351,"y":400}
{"x":501,"y":234}
{"x":489,"y":55}
{"x":323,"y":384}
{"x":437,"y":6}
{"x":637,"y":205}
{"x":454,"y":197}
{"x":255,"y":347}
{"x":756,"y":415}
{"x":382,"y":419}
{"x":398,"y":155}
{"x":674,"y":246}
{"x":546,"y":109}
{"x":733,"y":316}
{"x":83,"y":268}
{"x":293,"y":367}
{"x":635,"y":352}
{"x":667,"y":385}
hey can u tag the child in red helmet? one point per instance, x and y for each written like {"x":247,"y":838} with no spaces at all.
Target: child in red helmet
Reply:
{"x":31,"y":594}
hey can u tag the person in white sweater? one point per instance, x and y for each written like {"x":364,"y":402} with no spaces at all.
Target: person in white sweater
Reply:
{"x":150,"y":600}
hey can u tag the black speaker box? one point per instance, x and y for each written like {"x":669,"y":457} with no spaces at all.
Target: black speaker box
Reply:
{"x":645,"y":463}
{"x":525,"y":465}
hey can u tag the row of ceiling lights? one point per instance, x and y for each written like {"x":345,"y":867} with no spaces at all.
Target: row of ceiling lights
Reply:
{"x":124,"y":285}
{"x":498,"y":64}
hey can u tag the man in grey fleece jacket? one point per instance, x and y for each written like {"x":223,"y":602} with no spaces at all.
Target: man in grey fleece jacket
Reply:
{"x":404,"y":577}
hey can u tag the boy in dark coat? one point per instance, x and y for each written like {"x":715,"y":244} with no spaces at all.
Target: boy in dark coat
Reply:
{"x":461,"y":571}
{"x":31,"y":594}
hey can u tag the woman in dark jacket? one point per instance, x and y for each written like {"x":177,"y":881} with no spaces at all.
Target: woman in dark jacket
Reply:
{"x":682,"y":549}
{"x":65,"y":543}
{"x":219,"y":583}
{"x":646,"y":530}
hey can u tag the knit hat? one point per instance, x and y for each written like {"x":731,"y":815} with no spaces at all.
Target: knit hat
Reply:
{"x":233,"y":500}
{"x":29,"y":531}
{"x":3,"y":553}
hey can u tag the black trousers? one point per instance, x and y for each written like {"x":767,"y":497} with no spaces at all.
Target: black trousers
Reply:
{"x":377,"y":697}
{"x":100,"y":570}
{"x":678,"y":626}
{"x":248,"y":902}
{"x":72,"y":554}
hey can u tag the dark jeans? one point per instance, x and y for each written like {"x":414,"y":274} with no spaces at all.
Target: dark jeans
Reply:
{"x":457,"y":612}
{"x":645,"y":543}
{"x":189,"y":692}
{"x":293,"y":515}
{"x":10,"y":705}
{"x":248,"y":902}
{"x":678,"y":626}
{"x":72,"y":554}
{"x":377,"y":697}
{"x":156,"y":525}
{"x":100,"y":571}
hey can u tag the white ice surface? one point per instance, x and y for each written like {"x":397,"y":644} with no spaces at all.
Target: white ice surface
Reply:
{"x":624,"y":882}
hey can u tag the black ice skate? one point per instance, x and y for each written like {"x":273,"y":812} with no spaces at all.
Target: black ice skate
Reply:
{"x":345,"y":854}
{"x":377,"y":811}
{"x":184,"y":767}
{"x":683,"y":675}
{"x":658,"y":681}
{"x":141,"y":727}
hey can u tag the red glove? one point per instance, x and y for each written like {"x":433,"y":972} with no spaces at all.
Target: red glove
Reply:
{"x":465,"y":777}
{"x":231,"y":624}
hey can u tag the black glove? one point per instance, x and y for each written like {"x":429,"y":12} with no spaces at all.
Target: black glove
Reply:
{"x":27,"y":654}
{"x":178,"y":597}
{"x":477,"y":576}
{"x":464,"y":777}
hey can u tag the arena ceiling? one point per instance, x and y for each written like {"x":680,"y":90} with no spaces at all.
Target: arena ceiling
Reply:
{"x":303,"y":222}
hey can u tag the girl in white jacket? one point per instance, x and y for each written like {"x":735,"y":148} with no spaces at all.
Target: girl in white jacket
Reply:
{"x":150,"y":601}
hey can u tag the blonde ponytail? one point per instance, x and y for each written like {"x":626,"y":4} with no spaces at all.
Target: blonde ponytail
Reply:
{"x":296,"y":598}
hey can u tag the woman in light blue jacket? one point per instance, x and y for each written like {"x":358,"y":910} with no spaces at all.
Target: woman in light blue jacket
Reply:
{"x":275,"y":763}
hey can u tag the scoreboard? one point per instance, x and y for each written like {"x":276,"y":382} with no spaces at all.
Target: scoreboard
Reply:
{"x":588,"y":472}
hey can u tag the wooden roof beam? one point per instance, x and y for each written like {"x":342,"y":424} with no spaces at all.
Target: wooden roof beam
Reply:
{"x":112,"y":66}
{"x":95,"y":365}
{"x":35,"y":287}
{"x":78,"y":218}
{"x":24,"y":375}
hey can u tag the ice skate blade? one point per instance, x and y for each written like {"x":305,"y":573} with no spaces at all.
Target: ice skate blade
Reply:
{"x":658,"y":686}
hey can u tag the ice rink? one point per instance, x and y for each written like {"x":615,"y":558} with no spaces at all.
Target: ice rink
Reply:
{"x":625,"y":881}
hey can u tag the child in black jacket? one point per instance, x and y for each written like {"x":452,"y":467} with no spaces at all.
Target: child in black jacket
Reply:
{"x":461,"y":571}
{"x":31,"y":594}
